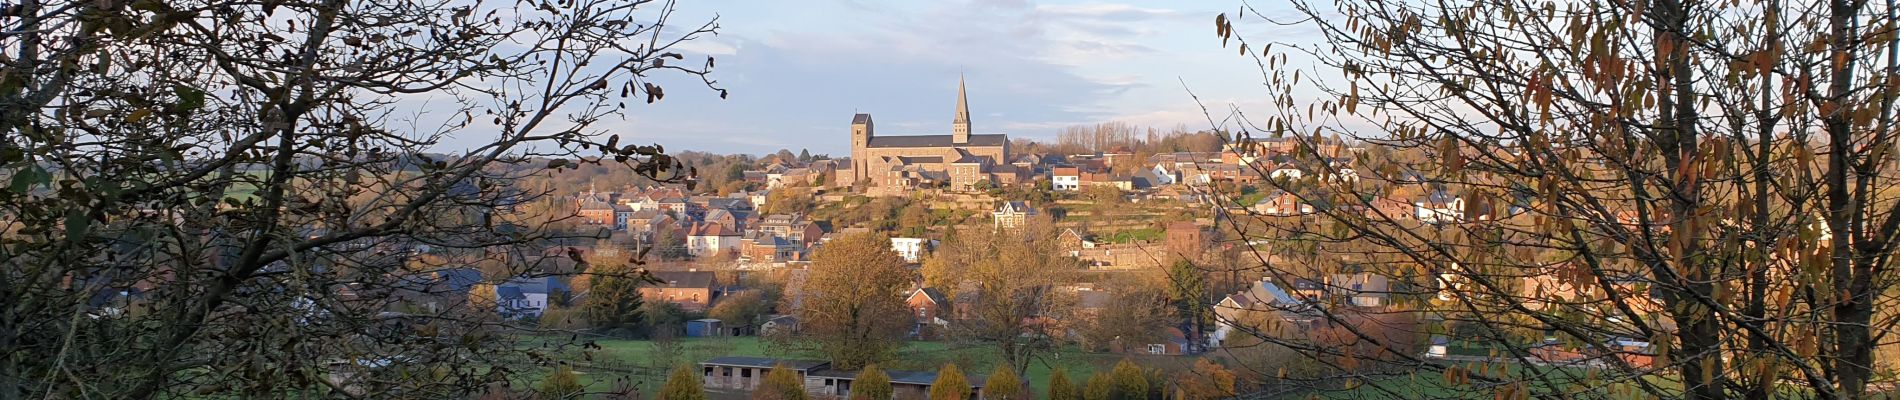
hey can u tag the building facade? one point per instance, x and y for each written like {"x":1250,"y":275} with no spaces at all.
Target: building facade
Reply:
{"x":959,"y":159}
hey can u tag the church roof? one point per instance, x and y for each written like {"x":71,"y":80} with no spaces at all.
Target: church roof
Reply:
{"x":861,"y":119}
{"x":936,"y":141}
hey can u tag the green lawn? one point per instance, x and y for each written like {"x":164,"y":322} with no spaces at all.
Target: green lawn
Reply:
{"x":644,"y":358}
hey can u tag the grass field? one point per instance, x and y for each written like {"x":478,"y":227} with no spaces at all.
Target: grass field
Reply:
{"x":645,"y":359}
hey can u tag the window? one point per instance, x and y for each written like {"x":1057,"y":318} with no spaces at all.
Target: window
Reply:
{"x":709,"y":371}
{"x":745,"y":372}
{"x":1157,"y":349}
{"x":727,"y":371}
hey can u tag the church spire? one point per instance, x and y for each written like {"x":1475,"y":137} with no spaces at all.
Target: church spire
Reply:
{"x":962,"y":124}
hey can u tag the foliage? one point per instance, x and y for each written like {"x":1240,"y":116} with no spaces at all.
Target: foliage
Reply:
{"x":1003,"y":385}
{"x":780,"y":384}
{"x":1206,"y":381}
{"x":788,"y":201}
{"x":1709,"y":215}
{"x":255,"y":176}
{"x":1129,"y":382}
{"x":854,"y":308}
{"x":1100,"y":386}
{"x":1014,"y":272}
{"x":613,"y":301}
{"x":563,"y":383}
{"x":1060,"y":388}
{"x":950,"y":384}
{"x":871,"y":384}
{"x":683,"y":384}
{"x":1136,"y":312}
{"x":746,"y":309}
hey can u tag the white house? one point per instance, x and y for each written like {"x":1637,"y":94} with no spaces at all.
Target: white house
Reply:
{"x":1286,"y":171}
{"x":1440,"y":207}
{"x":1065,"y":178}
{"x":912,"y":249}
{"x":709,"y":239}
{"x":526,"y":297}
{"x":1163,"y":176}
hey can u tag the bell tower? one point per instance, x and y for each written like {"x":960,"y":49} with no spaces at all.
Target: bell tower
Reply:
{"x":962,"y":125}
{"x":861,"y":133}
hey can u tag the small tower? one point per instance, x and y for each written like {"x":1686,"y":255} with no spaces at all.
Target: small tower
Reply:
{"x":962,"y":124}
{"x":861,"y":133}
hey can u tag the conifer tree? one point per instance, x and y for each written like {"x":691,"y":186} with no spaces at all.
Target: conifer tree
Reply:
{"x":780,"y":384}
{"x":1060,"y":388}
{"x":682,"y":384}
{"x":1003,"y":385}
{"x":950,"y":384}
{"x":871,"y":384}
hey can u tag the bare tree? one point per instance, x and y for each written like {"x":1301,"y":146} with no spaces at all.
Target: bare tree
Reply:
{"x":1687,"y":198}
{"x":221,"y":197}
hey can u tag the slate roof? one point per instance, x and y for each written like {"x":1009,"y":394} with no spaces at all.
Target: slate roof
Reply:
{"x":685,"y":279}
{"x":761,"y":362}
{"x":936,"y":141}
{"x":935,"y":296}
{"x":861,"y":119}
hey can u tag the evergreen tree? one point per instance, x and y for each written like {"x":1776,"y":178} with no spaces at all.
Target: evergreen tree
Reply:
{"x":1060,"y":388}
{"x":1101,"y":386}
{"x":950,"y":384}
{"x":1129,"y":382}
{"x":613,"y":298}
{"x":1003,"y":385}
{"x":871,"y":384}
{"x":780,"y":384}
{"x":682,"y":384}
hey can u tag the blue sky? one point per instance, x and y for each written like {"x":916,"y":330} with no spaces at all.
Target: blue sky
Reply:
{"x":798,"y":70}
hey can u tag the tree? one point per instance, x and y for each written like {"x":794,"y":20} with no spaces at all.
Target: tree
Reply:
{"x":1003,"y":385}
{"x":613,"y":301}
{"x":1060,"y":388}
{"x":682,"y":384}
{"x":1205,"y":382}
{"x":1187,"y":289}
{"x":1128,"y":382}
{"x":950,"y":384}
{"x":804,"y":155}
{"x":563,"y":383}
{"x":1136,"y":313}
{"x":854,"y":308}
{"x":253,"y":176}
{"x":780,"y":384}
{"x":1100,"y":386}
{"x":1015,"y":273}
{"x":1605,"y":199}
{"x":871,"y":384}
{"x":745,"y":310}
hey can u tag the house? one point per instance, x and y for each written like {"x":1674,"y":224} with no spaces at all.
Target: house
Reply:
{"x":1282,"y":204}
{"x":758,"y":247}
{"x":1362,"y":289}
{"x":778,"y":325}
{"x":1245,"y":311}
{"x":1286,"y":171}
{"x":595,"y":209}
{"x":691,"y":290}
{"x":1440,"y":207}
{"x":1065,"y":179}
{"x":528,"y":297}
{"x":913,"y":249}
{"x":722,"y":217}
{"x":792,"y":227}
{"x":708,"y":239}
{"x":927,"y":304}
{"x":1012,"y":214}
{"x":1384,"y":208}
{"x":1161,"y":176}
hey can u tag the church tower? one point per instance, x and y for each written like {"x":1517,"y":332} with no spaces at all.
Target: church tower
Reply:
{"x":861,"y":132}
{"x":962,"y":125}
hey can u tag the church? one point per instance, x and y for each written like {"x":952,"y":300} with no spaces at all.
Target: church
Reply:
{"x":957,"y":160}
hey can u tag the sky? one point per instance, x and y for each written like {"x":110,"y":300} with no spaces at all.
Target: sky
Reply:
{"x":799,"y":69}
